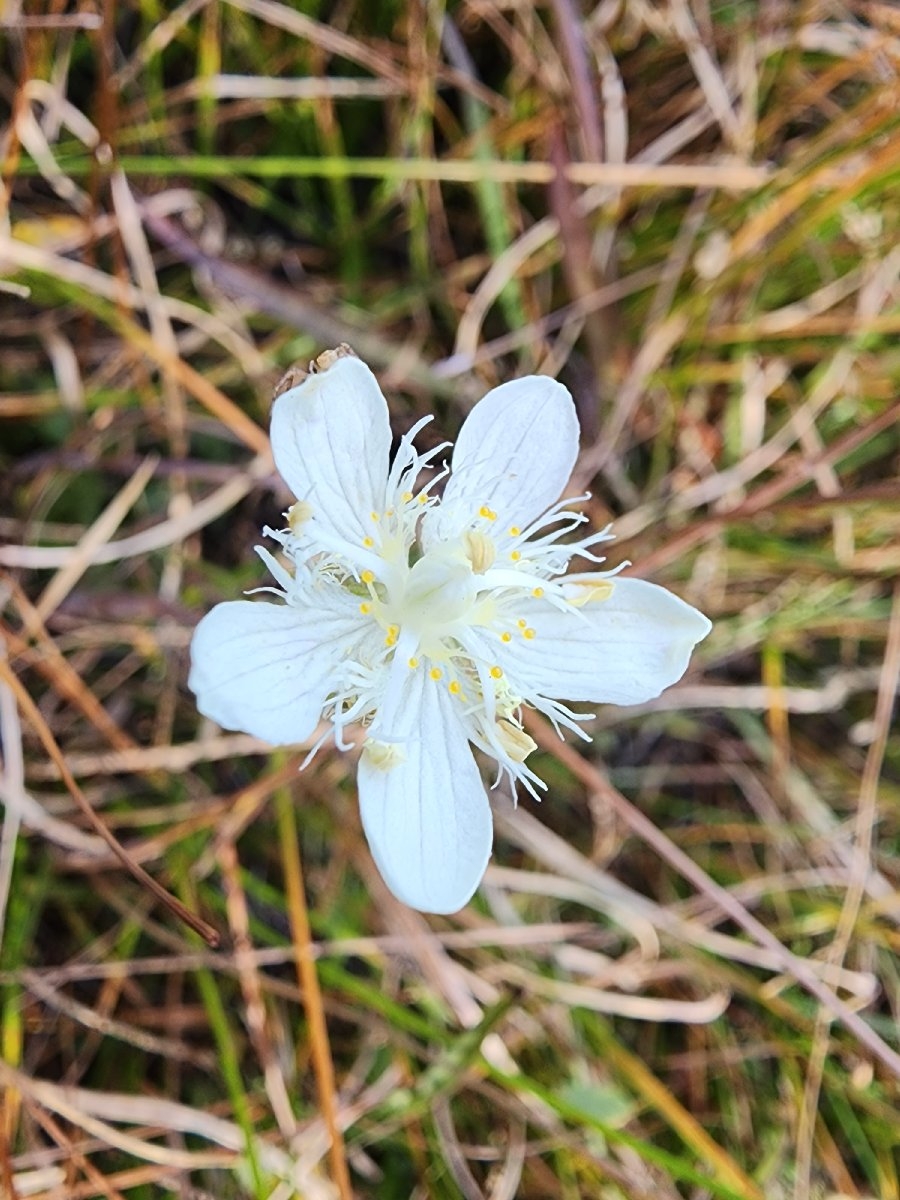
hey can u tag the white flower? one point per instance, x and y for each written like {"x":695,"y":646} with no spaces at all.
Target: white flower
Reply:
{"x":431,"y":623}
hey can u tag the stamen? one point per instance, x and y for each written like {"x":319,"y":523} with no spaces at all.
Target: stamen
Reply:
{"x":480,"y":551}
{"x":435,"y":673}
{"x":496,"y":673}
{"x":487,"y":513}
{"x":590,"y":592}
{"x":383,"y":755}
{"x":515,"y":741}
{"x":298,"y":515}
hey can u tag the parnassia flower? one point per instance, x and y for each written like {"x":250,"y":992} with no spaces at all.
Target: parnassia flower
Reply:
{"x":429,"y":623}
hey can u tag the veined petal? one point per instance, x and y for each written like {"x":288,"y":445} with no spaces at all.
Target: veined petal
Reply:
{"x":514,"y":456}
{"x":621,"y":650}
{"x":266,"y":669}
{"x":331,"y":439}
{"x":423,"y":805}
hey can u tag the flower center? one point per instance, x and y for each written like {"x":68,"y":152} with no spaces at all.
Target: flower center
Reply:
{"x":434,"y":600}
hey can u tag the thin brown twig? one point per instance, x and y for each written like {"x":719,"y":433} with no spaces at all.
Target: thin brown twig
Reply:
{"x":32,"y":712}
{"x":97,"y":534}
{"x":155,"y":537}
{"x":765,"y":496}
{"x":74,"y":1155}
{"x":251,"y":987}
{"x":861,"y":866}
{"x":641,"y":825}
{"x":581,"y":78}
{"x":307,"y":977}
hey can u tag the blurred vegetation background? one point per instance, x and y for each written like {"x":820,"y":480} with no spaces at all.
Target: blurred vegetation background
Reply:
{"x":679,"y":978}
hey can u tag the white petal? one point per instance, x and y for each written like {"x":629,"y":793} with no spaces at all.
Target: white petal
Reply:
{"x":622,"y":650}
{"x":514,"y":454}
{"x":266,"y":669}
{"x":427,"y":817}
{"x":331,"y":439}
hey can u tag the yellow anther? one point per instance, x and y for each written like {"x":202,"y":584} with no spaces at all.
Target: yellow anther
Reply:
{"x":393,"y":630}
{"x":365,"y":608}
{"x":515,"y":555}
{"x":435,"y":672}
{"x":521,"y":623}
{"x":514,"y":531}
{"x":487,"y":513}
{"x":406,"y":497}
{"x":538,"y":592}
{"x":389,"y":513}
{"x":298,"y":514}
{"x":368,"y":543}
{"x":422,"y":497}
{"x":479,"y":551}
{"x":515,"y":741}
{"x":528,"y":633}
{"x":413,"y":663}
{"x":505,"y":637}
{"x":368,"y":577}
{"x":591,"y":592}
{"x":383,"y":755}
{"x":374,"y":516}
{"x":454,"y":687}
{"x":496,"y":673}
